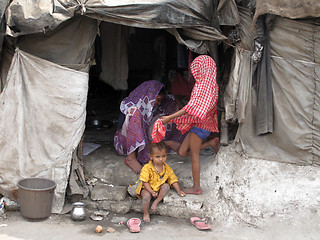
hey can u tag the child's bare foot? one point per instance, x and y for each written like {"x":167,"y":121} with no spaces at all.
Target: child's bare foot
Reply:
{"x":214,"y":143}
{"x":153,"y":207}
{"x":146,"y":218}
{"x":173,"y":145}
{"x":133,"y":164}
{"x":193,"y":190}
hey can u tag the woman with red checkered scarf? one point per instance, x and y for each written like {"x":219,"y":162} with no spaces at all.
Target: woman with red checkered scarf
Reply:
{"x":199,"y":116}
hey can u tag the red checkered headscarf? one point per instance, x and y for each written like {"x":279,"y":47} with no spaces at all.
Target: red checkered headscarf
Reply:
{"x":202,"y":107}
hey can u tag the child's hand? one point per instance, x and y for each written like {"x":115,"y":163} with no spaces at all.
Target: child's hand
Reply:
{"x":165,"y":119}
{"x":154,"y":194}
{"x":181,"y":194}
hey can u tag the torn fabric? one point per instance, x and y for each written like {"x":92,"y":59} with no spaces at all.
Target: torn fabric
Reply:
{"x":295,"y":75}
{"x":44,"y":16}
{"x":43,"y":112}
{"x":293,"y":9}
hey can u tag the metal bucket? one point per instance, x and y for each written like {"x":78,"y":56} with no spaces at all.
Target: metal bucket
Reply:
{"x":35,"y":197}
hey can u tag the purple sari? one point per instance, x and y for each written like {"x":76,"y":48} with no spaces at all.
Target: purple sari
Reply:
{"x":140,"y":116}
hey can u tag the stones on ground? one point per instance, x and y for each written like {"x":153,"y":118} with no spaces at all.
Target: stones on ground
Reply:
{"x":95,"y":217}
{"x":111,"y":230}
{"x":99,"y":215}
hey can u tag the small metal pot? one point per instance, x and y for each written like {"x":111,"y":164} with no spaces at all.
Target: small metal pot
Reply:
{"x":96,"y":122}
{"x":78,"y":211}
{"x":99,"y":124}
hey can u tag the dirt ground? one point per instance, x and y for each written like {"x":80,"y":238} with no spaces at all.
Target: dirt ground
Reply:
{"x":15,"y":227}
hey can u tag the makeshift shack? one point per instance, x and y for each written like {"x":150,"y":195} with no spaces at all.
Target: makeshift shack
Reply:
{"x":270,"y":87}
{"x":47,"y":54}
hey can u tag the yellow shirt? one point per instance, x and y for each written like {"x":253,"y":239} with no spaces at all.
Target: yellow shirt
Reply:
{"x":149,"y":174}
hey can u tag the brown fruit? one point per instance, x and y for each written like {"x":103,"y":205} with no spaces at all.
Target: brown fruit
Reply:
{"x":99,"y":229}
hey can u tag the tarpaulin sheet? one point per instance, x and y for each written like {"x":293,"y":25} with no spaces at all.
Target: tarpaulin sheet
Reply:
{"x":247,"y":34}
{"x":228,"y":13}
{"x":71,"y":44}
{"x":262,"y":78}
{"x":293,"y":9}
{"x":235,"y":96}
{"x":6,"y":58}
{"x":42,"y":115}
{"x":3,"y":6}
{"x":239,"y":84}
{"x":43,"y":15}
{"x":114,"y":55}
{"x":68,"y":45}
{"x":295,"y":65}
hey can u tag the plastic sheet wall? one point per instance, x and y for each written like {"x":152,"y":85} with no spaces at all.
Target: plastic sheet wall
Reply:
{"x":295,"y":65}
{"x":70,"y":44}
{"x":193,"y":17}
{"x":236,"y":96}
{"x":42,"y":115}
{"x":294,"y":9}
{"x":3,"y":6}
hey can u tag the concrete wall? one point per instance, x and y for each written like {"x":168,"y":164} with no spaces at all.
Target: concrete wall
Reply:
{"x":256,"y":191}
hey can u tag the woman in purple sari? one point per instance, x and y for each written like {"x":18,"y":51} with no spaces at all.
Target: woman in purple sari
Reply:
{"x":141,"y":109}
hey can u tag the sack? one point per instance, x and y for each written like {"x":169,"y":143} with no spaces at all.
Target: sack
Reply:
{"x":132,"y":189}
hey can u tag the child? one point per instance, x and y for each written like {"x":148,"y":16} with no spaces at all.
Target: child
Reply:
{"x":199,"y":116}
{"x":156,"y":178}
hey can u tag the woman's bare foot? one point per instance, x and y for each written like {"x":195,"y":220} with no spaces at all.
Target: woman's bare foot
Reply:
{"x":192,"y":190}
{"x":146,"y":218}
{"x":153,"y":207}
{"x":133,"y":164}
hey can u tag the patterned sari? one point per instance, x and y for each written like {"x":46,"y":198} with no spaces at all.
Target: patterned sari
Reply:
{"x":140,"y":116}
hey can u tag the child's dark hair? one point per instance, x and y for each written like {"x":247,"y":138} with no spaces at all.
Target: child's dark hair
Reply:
{"x":159,"y":145}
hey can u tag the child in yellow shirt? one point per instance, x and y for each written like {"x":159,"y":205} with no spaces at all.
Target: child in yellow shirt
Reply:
{"x":156,"y":178}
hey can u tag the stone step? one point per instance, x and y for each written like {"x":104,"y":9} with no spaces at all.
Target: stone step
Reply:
{"x":105,"y":166}
{"x":110,"y":178}
{"x":172,"y":205}
{"x":108,"y":192}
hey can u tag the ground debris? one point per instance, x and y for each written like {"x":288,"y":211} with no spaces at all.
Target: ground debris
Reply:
{"x":111,"y":230}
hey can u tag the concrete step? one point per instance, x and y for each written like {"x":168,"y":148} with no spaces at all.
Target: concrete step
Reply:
{"x":110,"y":178}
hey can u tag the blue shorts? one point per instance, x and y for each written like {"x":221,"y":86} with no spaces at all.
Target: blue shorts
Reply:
{"x":203,"y":134}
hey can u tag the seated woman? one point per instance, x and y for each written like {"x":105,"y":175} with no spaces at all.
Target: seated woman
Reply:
{"x":140,"y":109}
